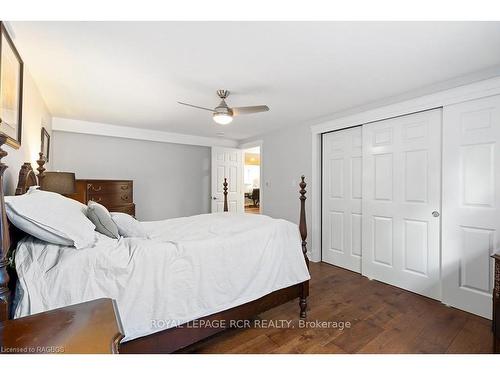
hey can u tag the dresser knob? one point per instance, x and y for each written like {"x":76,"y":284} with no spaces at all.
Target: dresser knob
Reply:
{"x":124,"y":197}
{"x":124,"y":187}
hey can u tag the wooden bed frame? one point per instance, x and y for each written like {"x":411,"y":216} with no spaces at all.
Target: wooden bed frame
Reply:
{"x":166,"y":341}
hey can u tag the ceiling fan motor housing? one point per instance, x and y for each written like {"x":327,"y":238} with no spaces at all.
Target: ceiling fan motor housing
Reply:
{"x":223,"y":108}
{"x":223,"y":94}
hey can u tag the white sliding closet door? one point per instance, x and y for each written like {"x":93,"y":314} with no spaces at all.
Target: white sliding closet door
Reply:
{"x":401,"y":190}
{"x":342,"y":173}
{"x":471,"y":203}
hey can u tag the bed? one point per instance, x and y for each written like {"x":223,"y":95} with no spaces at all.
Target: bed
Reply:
{"x":173,"y":288}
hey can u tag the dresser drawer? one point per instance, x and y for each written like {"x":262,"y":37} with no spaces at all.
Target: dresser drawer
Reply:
{"x":111,"y":199}
{"x":126,"y":209}
{"x":109,"y":187}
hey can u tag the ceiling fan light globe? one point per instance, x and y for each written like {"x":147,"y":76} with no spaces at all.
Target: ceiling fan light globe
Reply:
{"x":222,"y":118}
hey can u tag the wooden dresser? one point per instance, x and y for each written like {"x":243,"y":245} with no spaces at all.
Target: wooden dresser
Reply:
{"x":115,"y":195}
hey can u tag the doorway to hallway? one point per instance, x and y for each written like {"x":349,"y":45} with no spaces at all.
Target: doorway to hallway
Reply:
{"x":251,"y":179}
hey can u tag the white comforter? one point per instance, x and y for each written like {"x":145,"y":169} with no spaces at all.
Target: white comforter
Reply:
{"x":189,"y":268}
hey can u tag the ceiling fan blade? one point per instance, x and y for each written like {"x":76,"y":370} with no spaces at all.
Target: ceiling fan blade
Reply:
{"x":196,"y":106}
{"x":247,"y":110}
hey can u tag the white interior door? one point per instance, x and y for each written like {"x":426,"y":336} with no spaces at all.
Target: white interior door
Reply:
{"x":401,"y":190}
{"x":342,"y":174}
{"x":471,"y":203}
{"x":227,"y":163}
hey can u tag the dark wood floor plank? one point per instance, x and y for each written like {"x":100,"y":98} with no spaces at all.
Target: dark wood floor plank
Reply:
{"x":260,"y":344}
{"x":475,"y":337}
{"x":440,"y":331}
{"x":398,"y":337}
{"x":383,"y":318}
{"x":354,"y":339}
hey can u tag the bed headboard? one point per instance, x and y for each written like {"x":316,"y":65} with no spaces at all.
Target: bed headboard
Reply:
{"x":27,"y":178}
{"x":9,"y":235}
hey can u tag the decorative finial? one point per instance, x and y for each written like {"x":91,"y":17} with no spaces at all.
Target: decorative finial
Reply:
{"x":302,"y":190}
{"x":41,"y":162}
{"x":226,"y":209}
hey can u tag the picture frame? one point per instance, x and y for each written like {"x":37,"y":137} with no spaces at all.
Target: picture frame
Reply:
{"x":11,"y":89}
{"x":45,"y":145}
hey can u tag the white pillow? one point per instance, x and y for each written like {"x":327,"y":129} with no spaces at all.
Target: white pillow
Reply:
{"x":33,"y":189}
{"x":52,"y":218}
{"x":35,"y":230}
{"x":100,"y":216}
{"x":128,"y":226}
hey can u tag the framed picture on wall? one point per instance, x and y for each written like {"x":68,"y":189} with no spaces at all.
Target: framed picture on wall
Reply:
{"x":45,"y":149}
{"x":11,"y":89}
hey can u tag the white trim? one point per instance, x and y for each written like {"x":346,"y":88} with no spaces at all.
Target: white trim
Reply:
{"x":108,"y":130}
{"x":455,"y":95}
{"x":258,"y":143}
{"x":315,"y":250}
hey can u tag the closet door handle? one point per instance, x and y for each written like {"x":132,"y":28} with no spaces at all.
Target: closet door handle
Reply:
{"x":435,"y":213}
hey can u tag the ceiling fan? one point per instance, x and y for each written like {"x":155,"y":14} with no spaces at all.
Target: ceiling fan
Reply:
{"x":223,"y":114}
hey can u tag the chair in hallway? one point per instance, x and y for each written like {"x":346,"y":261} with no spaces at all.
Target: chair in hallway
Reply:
{"x":255,"y":197}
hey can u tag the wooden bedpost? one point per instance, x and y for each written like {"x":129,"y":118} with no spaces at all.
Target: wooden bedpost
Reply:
{"x":41,"y":169}
{"x":303,"y":234}
{"x":225,"y":194}
{"x":4,"y":242}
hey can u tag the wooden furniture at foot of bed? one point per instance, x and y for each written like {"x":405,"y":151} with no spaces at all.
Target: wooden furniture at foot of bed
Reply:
{"x":91,"y":327}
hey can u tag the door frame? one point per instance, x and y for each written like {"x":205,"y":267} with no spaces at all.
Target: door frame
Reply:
{"x":258,"y":143}
{"x":476,"y":90}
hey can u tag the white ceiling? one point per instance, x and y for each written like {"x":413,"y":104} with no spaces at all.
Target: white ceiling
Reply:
{"x":133,"y":73}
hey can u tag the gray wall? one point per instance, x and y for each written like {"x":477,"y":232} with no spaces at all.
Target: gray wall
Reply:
{"x":170,"y":180}
{"x":286,"y":155}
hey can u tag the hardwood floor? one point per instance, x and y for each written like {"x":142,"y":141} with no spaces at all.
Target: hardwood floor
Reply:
{"x":252,"y":210}
{"x":383,"y":318}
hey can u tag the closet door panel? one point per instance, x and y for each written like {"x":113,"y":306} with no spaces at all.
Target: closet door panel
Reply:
{"x":471,"y":196}
{"x":341,"y":202}
{"x":401,"y":190}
